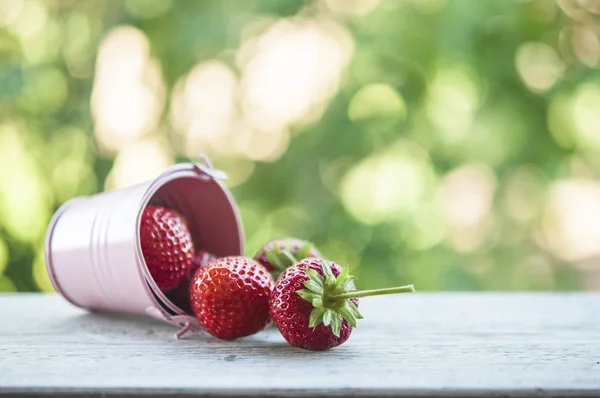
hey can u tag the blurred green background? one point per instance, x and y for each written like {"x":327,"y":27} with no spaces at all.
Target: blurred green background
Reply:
{"x":452,"y":144}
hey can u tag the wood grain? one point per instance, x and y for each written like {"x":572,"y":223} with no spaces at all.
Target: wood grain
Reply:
{"x":446,"y":344}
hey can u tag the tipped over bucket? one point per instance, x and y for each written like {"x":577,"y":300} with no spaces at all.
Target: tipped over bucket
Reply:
{"x":93,"y":252}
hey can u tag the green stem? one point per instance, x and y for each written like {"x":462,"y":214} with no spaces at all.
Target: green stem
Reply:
{"x":290,"y":257}
{"x":376,"y":292}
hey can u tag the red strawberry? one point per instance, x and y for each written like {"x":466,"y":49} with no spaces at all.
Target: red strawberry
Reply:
{"x":230,"y":297}
{"x":315,"y":305}
{"x":167,"y":246}
{"x":180,"y":296}
{"x":279,"y":254}
{"x":201,"y":259}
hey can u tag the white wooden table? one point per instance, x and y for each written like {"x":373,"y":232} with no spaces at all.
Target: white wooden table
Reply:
{"x":445,"y":344}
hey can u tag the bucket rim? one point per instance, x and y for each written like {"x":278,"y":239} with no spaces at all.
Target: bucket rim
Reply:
{"x":48,"y":252}
{"x":179,"y":170}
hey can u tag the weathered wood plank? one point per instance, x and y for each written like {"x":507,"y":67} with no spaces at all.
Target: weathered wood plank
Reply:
{"x":446,"y":344}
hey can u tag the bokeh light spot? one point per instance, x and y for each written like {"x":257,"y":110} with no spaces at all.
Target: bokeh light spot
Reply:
{"x":267,"y":147}
{"x":523,"y":192}
{"x":77,"y":49}
{"x":24,"y":196}
{"x":466,"y":198}
{"x":560,"y":121}
{"x":45,"y":45}
{"x":204,"y":106}
{"x":538,"y":65}
{"x":387,"y":186}
{"x":31,"y":19}
{"x":377,"y":100}
{"x":453,"y":98}
{"x":571,"y":224}
{"x":9,"y":10}
{"x":586,"y":45}
{"x":139,"y":162}
{"x":128,"y":94}
{"x":586,"y":115}
{"x":291,"y":71}
{"x":426,"y":229}
{"x":71,"y":159}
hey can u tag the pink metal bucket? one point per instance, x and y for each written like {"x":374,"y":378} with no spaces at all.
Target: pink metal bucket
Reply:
{"x":93,"y":253}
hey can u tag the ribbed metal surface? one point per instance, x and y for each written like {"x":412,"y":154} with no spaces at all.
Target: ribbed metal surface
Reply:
{"x":93,"y":252}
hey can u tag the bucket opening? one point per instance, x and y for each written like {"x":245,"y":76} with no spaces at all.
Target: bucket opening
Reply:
{"x":211,"y":217}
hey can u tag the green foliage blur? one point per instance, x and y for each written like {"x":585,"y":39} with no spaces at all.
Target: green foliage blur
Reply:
{"x":453,"y":144}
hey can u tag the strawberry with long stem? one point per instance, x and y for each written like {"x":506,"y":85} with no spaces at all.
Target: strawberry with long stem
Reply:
{"x":315,"y":304}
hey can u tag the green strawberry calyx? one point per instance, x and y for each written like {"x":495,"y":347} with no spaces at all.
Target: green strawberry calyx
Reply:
{"x":330,"y":297}
{"x":283,"y":259}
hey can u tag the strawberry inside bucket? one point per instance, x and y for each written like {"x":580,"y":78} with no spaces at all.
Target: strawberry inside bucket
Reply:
{"x":187,"y":219}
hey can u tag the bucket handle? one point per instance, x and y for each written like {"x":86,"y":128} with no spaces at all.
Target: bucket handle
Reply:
{"x":206,"y":170}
